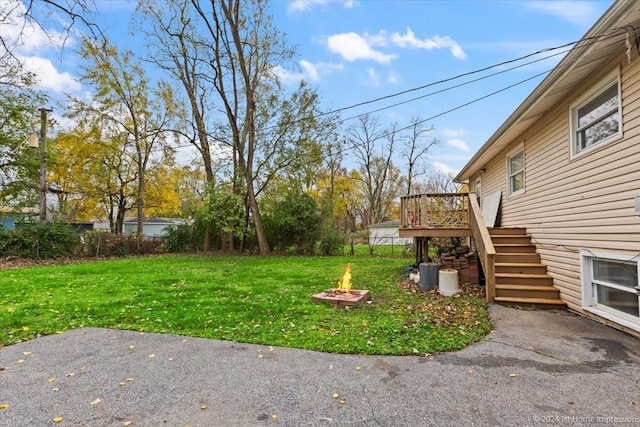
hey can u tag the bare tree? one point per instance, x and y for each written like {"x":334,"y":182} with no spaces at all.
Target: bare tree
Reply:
{"x":415,"y":150}
{"x":174,"y":45}
{"x":438,"y":182}
{"x":380,"y":181}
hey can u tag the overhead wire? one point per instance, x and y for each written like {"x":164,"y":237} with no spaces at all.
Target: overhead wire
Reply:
{"x":586,"y":42}
{"x":458,"y":85}
{"x":480,"y":70}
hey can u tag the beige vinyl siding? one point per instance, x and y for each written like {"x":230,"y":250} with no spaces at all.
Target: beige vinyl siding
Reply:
{"x":582,"y":203}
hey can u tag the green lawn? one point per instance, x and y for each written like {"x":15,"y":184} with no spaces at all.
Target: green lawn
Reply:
{"x":246,"y":299}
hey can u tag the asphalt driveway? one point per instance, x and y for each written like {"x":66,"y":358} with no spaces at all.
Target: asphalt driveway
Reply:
{"x":536,"y":368}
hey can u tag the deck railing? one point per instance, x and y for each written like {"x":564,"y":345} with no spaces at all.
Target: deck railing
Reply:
{"x":435,"y":211}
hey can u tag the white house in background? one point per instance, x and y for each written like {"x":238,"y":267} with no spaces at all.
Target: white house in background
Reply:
{"x":153,"y":227}
{"x":387,"y":233}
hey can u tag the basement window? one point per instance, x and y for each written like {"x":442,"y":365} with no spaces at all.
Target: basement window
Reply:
{"x":595,"y":119}
{"x":610,"y":287}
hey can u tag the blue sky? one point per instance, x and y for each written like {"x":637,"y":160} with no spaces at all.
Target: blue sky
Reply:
{"x":355,"y":51}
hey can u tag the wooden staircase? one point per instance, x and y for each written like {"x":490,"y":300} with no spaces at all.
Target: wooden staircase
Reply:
{"x":520,"y":277}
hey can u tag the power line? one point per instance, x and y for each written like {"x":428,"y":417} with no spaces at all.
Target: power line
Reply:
{"x":587,"y":42}
{"x":510,"y":61}
{"x":456,"y":86}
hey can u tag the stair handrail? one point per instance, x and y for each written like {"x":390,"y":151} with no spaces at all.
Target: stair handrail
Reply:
{"x":485,"y":248}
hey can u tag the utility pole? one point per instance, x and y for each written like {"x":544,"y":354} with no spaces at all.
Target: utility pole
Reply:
{"x":44,"y":187}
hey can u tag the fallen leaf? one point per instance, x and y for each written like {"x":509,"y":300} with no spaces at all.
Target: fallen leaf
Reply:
{"x":358,"y":368}
{"x":203,"y":407}
{"x":129,"y":379}
{"x":343,"y":402}
{"x":51,"y":380}
{"x":274,"y":416}
{"x":26,"y":353}
{"x":151,"y":356}
{"x":55,"y":389}
{"x":17,"y":362}
{"x":335,"y":395}
{"x":132,"y":346}
{"x":126,"y":423}
{"x":95,"y":402}
{"x":4,"y":405}
{"x":171,"y":359}
{"x":122,"y":384}
{"x":260,"y":356}
{"x":57,"y":419}
{"x":513,"y":375}
{"x":70,"y":374}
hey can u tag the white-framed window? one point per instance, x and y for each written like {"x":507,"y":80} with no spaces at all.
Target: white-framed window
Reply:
{"x":596,"y":118}
{"x":610,"y":287}
{"x":515,"y":171}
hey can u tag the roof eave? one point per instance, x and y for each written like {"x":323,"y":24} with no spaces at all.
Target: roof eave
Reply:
{"x":508,"y":129}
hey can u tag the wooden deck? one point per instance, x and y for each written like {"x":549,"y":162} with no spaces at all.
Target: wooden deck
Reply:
{"x":435,"y":215}
{"x":424,"y":216}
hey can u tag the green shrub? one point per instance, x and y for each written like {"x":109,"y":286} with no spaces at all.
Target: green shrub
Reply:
{"x":181,"y":238}
{"x":294,"y":223}
{"x":37,"y":240}
{"x":332,"y":241}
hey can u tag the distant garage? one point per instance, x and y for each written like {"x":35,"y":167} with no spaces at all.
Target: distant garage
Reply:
{"x":387,"y":233}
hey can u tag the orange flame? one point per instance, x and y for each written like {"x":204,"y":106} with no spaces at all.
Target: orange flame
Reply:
{"x":345,"y":281}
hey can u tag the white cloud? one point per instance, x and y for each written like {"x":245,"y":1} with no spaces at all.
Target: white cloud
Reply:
{"x":310,"y":71}
{"x":307,"y":5}
{"x":31,"y":43}
{"x":285,"y":75}
{"x":49,"y":77}
{"x":392,"y":78}
{"x":441,"y":167}
{"x":26,"y":36}
{"x":458,"y":143}
{"x":314,"y":72}
{"x":353,"y":47}
{"x":581,"y":13}
{"x":452,"y":133}
{"x":436,"y":42}
{"x":374,"y":78}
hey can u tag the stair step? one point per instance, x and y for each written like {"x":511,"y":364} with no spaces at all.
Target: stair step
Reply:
{"x":517,"y":257}
{"x":520,"y":267}
{"x":511,"y":248}
{"x":553,"y":302}
{"x":507,"y":230}
{"x":511,"y":240}
{"x":524,"y":279}
{"x":527,"y":291}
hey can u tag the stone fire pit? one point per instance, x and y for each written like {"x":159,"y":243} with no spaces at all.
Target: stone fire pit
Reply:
{"x":343,"y":295}
{"x":340,"y":298}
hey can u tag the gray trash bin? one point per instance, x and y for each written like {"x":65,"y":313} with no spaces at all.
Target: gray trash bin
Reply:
{"x":429,"y":273}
